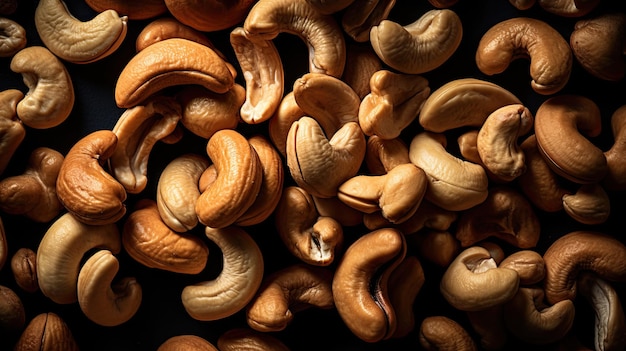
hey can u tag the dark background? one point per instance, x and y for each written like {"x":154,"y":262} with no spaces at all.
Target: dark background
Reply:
{"x":162,"y":314}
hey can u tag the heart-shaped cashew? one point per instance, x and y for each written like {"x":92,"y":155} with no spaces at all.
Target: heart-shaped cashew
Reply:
{"x":421,"y":46}
{"x":179,"y":62}
{"x":76,"y":41}
{"x":50,"y":96}
{"x":12,"y":131}
{"x":134,"y":10}
{"x":13,"y":37}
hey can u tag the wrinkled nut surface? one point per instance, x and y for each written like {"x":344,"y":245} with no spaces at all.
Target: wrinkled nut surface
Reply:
{"x":550,"y":55}
{"x":84,"y":187}
{"x":46,"y":331}
{"x":244,"y":339}
{"x":148,"y":240}
{"x":133,"y":10}
{"x":425,"y":44}
{"x":50,"y":97}
{"x":24,"y":269}
{"x":77,"y":41}
{"x":443,"y":333}
{"x":363,"y":63}
{"x":186,"y":342}
{"x":12,"y":131}
{"x":13,"y":37}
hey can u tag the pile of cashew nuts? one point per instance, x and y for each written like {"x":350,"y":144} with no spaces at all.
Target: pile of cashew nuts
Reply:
{"x":297,"y":174}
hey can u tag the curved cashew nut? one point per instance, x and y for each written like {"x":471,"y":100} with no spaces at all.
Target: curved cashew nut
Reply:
{"x":562,"y":125}
{"x":61,"y":251}
{"x":279,"y":124}
{"x":186,"y":342}
{"x":463,"y":102}
{"x":394,"y":101}
{"x":428,"y":215}
{"x":360,"y":16}
{"x":209,"y":15}
{"x":568,"y":8}
{"x":12,"y":131}
{"x":528,"y":264}
{"x":529,"y":319}
{"x":238,"y":182}
{"x":178,"y":190}
{"x":149,"y":241}
{"x":318,"y":164}
{"x":405,"y":283}
{"x":590,"y":204}
{"x":180,"y":62}
{"x":309,"y":236}
{"x":426,"y":43}
{"x":443,"y":333}
{"x":497,"y":141}
{"x":454,"y":184}
{"x":522,"y":4}
{"x":50,"y":96}
{"x":239,"y":339}
{"x":76,"y":41}
{"x":473,"y":281}
{"x":321,"y":33}
{"x":13,"y":37}
{"x":133,"y":10}
{"x":615,"y":178}
{"x":263,"y":72}
{"x":138,"y":129}
{"x":33,"y":193}
{"x":360,"y":284}
{"x":550,"y":54}
{"x":363,"y":63}
{"x":382,"y":155}
{"x":286,"y":292}
{"x":84,"y":188}
{"x":236,"y":284}
{"x":576,"y":251}
{"x":103,"y":303}
{"x":167,"y":28}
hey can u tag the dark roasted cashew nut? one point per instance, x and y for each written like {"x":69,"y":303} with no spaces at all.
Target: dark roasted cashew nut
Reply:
{"x":286,"y":292}
{"x":436,"y":246}
{"x":187,"y":342}
{"x":590,"y":204}
{"x":135,"y":11}
{"x":50,"y":96}
{"x":443,"y":333}
{"x":209,"y":15}
{"x":405,"y":283}
{"x":615,"y":178}
{"x":61,"y":252}
{"x":428,"y":215}
{"x":246,"y":339}
{"x":360,"y":284}
{"x":12,"y":131}
{"x":83,"y":186}
{"x":236,"y":284}
{"x":33,"y":193}
{"x":104,"y":301}
{"x":360,"y":16}
{"x":13,"y":37}
{"x":425,"y":44}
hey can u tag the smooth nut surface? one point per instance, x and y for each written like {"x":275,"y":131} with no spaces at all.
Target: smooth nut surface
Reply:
{"x":24,"y":268}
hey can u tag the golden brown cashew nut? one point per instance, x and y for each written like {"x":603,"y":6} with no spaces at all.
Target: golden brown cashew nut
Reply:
{"x":13,"y":37}
{"x":602,"y":58}
{"x":529,"y":319}
{"x":363,"y":63}
{"x":528,"y":264}
{"x":50,"y":96}
{"x":238,"y":182}
{"x":568,"y":8}
{"x":382,"y":155}
{"x":103,"y":301}
{"x":209,"y":15}
{"x":12,"y":131}
{"x":245,"y":339}
{"x":576,"y":251}
{"x":443,"y":333}
{"x":549,"y":53}
{"x":33,"y":193}
{"x":61,"y":251}
{"x":262,"y":68}
{"x":166,"y":28}
{"x":180,"y":62}
{"x":186,"y":342}
{"x":454,"y":184}
{"x":338,"y":210}
{"x":149,"y":241}
{"x":321,"y":33}
{"x":428,"y":215}
{"x":394,"y":101}
{"x":134,"y":10}
{"x":77,"y":41}
{"x":463,"y":102}
{"x":360,"y":285}
{"x":236,"y":284}
{"x":279,"y":124}
{"x":286,"y":292}
{"x":426,"y":43}
{"x":307,"y":235}
{"x":615,"y":178}
{"x":473,"y":281}
{"x":83,"y":186}
{"x":360,"y":16}
{"x":563,"y":125}
{"x":590,"y":204}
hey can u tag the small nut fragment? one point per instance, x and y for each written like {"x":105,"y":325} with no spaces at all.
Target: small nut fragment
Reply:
{"x":46,"y":332}
{"x":615,"y":179}
{"x":359,"y":17}
{"x":186,"y":342}
{"x":24,"y":268}
{"x":244,"y":339}
{"x":13,"y":37}
{"x":4,"y":249}
{"x":134,"y":10}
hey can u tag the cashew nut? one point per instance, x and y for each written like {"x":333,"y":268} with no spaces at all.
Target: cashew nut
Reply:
{"x":4,"y":249}
{"x":246,"y":339}
{"x":615,"y":178}
{"x":24,"y":268}
{"x":443,"y":333}
{"x":528,"y":264}
{"x":363,"y":63}
{"x":135,"y":11}
{"x":187,"y":342}
{"x":209,"y":15}
{"x":428,"y":215}
{"x":12,"y":131}
{"x":590,"y":204}
{"x":360,"y":16}
{"x":13,"y":37}
{"x":338,"y":210}
{"x":568,"y":8}
{"x":279,"y":124}
{"x":167,"y":28}
{"x":382,"y":155}
{"x":436,"y":246}
{"x":405,"y":283}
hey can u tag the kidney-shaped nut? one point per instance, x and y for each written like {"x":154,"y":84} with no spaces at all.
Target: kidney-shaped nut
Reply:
{"x":61,"y":252}
{"x":279,"y":124}
{"x":309,"y":236}
{"x":604,"y":58}
{"x":50,"y":96}
{"x":246,"y":339}
{"x":568,"y":8}
{"x":83,"y":186}
{"x":12,"y":131}
{"x":454,"y":184}
{"x":148,"y":240}
{"x":615,"y":178}
{"x":13,"y":37}
{"x":179,"y":62}
{"x":77,"y":41}
{"x":444,"y":333}
{"x":579,"y":251}
{"x":186,"y":342}
{"x":321,"y":32}
{"x":24,"y":269}
{"x":133,"y":10}
{"x":474,"y":282}
{"x":46,"y":331}
{"x":528,"y":264}
{"x":421,"y":46}
{"x":238,"y":182}
{"x":237,"y":282}
{"x":563,"y":125}
{"x":209,"y":15}
{"x":102,"y":300}
{"x":436,"y":246}
{"x":550,"y":54}
{"x":360,"y":284}
{"x":166,"y":28}
{"x":286,"y":292}
{"x":394,"y":101}
{"x":464,"y":102}
{"x":590,"y":204}
{"x":33,"y":193}
{"x":529,"y":319}
{"x":360,"y":16}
